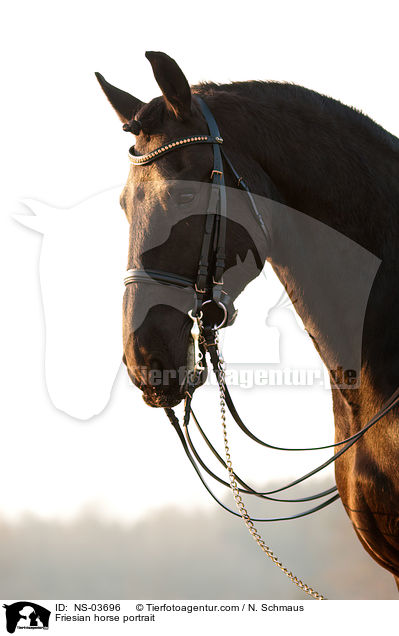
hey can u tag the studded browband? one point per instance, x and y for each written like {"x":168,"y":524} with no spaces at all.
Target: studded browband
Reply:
{"x":139,"y":160}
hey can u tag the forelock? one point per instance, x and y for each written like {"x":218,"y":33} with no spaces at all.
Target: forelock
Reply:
{"x":152,"y":116}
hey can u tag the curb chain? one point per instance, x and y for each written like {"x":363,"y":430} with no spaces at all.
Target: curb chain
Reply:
{"x":236,"y":493}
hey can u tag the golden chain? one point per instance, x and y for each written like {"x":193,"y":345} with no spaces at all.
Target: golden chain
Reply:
{"x":238,"y":499}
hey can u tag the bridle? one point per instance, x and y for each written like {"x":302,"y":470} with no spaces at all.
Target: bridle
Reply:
{"x":208,"y":290}
{"x":208,"y":285}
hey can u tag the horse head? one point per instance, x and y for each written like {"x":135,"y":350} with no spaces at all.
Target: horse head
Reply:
{"x":165,"y":200}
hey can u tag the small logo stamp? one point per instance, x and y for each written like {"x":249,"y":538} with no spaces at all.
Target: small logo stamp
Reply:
{"x":26,"y":615}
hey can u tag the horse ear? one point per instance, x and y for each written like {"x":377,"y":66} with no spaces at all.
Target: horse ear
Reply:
{"x":125,"y":105}
{"x":172,"y":82}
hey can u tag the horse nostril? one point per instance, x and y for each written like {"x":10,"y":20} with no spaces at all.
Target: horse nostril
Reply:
{"x":155,"y":375}
{"x":155,"y":364}
{"x":155,"y":368}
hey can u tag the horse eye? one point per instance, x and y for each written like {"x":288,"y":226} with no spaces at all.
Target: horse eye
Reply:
{"x":186,"y":197}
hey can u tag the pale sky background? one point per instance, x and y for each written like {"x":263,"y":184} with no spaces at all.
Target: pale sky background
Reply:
{"x":62,"y":143}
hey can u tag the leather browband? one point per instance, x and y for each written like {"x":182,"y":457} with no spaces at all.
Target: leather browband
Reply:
{"x":140,"y":160}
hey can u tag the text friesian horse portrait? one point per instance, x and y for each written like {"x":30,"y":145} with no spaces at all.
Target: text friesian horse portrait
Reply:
{"x":305,"y":160}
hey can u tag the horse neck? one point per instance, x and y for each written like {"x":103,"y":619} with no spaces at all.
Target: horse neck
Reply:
{"x":340,"y":170}
{"x":325,"y":159}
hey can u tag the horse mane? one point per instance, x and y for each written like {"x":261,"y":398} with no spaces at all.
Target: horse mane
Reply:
{"x":264,"y":91}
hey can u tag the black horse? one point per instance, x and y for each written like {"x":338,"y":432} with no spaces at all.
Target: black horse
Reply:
{"x":297,"y":150}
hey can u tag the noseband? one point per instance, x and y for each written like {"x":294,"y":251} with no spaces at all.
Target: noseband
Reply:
{"x":208,"y":285}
